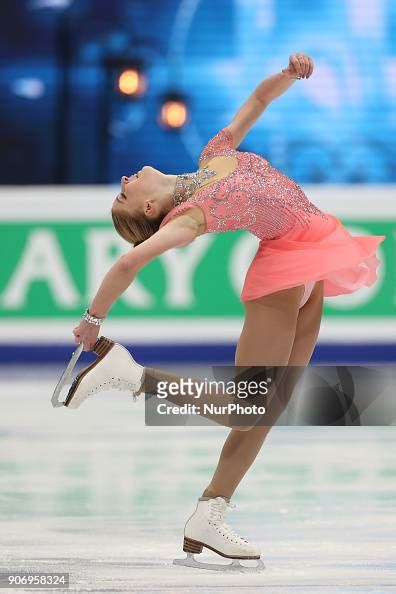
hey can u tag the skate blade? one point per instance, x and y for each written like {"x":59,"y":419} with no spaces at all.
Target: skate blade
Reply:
{"x":66,"y":377}
{"x":235,"y":565}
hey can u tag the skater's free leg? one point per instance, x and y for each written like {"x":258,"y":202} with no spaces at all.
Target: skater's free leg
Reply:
{"x":202,"y":397}
{"x":240,"y":449}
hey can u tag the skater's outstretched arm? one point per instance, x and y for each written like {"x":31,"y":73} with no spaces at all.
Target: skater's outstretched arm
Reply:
{"x":270,"y":88}
{"x":178,"y":232}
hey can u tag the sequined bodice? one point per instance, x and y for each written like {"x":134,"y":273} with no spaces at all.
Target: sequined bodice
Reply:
{"x":255,"y":196}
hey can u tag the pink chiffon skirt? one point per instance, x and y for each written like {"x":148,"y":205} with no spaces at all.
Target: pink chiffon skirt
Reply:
{"x":325,"y":250}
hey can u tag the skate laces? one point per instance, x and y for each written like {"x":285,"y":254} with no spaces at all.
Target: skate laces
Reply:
{"x":135,"y":388}
{"x":119,"y":384}
{"x":216,"y":510}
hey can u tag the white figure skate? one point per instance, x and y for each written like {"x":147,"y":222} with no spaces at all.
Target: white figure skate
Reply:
{"x":206,"y":528}
{"x":114,"y":368}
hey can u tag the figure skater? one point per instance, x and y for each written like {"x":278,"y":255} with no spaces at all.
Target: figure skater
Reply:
{"x":304,"y":254}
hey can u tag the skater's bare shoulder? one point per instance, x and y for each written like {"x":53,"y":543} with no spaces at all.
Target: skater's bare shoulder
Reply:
{"x":180,"y":231}
{"x":193,"y":217}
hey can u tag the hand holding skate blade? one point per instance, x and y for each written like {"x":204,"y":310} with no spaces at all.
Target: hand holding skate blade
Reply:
{"x":114,"y":367}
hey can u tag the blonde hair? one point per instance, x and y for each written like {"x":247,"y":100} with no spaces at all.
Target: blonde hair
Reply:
{"x":133,"y":229}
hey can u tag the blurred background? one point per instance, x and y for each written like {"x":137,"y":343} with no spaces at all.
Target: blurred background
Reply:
{"x":91,"y":90}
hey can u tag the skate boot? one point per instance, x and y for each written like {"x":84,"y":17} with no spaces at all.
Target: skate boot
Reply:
{"x":114,"y":368}
{"x":206,"y":528}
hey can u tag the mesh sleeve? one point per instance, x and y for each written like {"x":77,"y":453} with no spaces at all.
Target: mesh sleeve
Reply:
{"x":220,"y":144}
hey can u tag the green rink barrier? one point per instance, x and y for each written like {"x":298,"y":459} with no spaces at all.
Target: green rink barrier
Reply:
{"x":58,"y":243}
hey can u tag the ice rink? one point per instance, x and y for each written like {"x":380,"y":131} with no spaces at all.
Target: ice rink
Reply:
{"x":96,"y":493}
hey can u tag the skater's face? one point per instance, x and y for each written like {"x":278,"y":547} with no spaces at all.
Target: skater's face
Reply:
{"x":139,"y":192}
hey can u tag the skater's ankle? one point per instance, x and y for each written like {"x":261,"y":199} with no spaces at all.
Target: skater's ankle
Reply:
{"x":208,"y":494}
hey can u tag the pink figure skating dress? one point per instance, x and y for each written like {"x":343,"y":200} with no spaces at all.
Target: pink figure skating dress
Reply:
{"x":299,"y":244}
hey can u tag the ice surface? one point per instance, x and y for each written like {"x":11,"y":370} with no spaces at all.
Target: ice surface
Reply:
{"x":96,"y":493}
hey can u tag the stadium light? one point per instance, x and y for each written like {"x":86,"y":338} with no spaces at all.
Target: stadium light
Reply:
{"x":132,"y":82}
{"x":174,"y":112}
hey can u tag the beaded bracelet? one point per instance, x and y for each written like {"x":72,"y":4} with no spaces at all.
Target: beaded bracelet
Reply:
{"x":92,"y":319}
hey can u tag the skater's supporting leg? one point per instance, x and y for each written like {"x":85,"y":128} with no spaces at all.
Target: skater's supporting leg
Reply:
{"x":240,"y":449}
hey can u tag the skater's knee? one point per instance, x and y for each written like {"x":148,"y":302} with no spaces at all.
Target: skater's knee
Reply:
{"x":242,"y":427}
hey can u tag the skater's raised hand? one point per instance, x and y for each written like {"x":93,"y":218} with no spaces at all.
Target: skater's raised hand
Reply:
{"x":299,"y":65}
{"x":87,"y":334}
